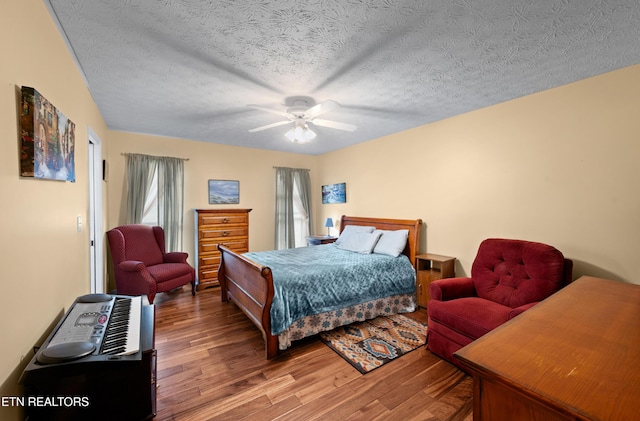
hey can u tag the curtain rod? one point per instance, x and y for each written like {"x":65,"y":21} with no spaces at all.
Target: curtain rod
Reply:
{"x":289,"y":168}
{"x":155,"y":156}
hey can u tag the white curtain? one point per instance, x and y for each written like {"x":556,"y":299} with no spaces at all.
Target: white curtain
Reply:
{"x":286,"y":178}
{"x":170,"y":193}
{"x":171,"y":200}
{"x":140,"y":172}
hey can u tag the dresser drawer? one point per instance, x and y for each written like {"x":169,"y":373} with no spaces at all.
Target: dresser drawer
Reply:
{"x":209,"y":261}
{"x":209,"y":247}
{"x":220,"y":234}
{"x":209,"y":275}
{"x":231,"y":219}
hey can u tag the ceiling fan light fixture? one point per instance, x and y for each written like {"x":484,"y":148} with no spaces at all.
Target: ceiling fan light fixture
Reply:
{"x":300,"y":134}
{"x":299,"y":114}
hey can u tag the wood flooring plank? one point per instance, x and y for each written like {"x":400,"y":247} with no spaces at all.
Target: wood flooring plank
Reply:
{"x":421,"y":376}
{"x":233,"y":398}
{"x":211,"y":366}
{"x":308,"y":387}
{"x":416,"y":406}
{"x":275,"y":410}
{"x":254,"y":409}
{"x":453,"y":404}
{"x":393,"y":385}
{"x":178,"y":380}
{"x":318,"y":408}
{"x":374,"y":411}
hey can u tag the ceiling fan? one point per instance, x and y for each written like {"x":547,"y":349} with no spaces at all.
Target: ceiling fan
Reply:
{"x":300,"y":115}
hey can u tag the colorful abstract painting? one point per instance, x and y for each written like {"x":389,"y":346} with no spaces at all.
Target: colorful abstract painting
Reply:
{"x":48,"y":139}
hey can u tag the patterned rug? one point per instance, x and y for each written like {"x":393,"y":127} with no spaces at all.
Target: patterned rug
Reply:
{"x":369,"y":344}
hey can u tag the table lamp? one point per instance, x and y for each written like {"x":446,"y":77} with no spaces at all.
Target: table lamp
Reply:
{"x":328,"y":223}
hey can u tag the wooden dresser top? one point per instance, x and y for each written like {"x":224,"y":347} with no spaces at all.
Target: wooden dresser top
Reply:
{"x":578,"y":350}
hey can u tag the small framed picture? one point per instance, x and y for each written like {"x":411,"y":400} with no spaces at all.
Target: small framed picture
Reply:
{"x":224,"y":192}
{"x":334,"y":193}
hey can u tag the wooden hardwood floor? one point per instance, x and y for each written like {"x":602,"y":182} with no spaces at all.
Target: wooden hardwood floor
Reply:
{"x":211,"y":365}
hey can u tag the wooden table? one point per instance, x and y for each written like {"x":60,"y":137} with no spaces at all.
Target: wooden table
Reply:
{"x":313,"y":240}
{"x":575,"y":356}
{"x":431,"y":267}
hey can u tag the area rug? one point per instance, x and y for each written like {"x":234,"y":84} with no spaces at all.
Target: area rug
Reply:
{"x":372,"y":343}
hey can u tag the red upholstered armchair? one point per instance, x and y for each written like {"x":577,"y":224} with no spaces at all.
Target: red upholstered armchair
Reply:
{"x":507,"y":278}
{"x":142,"y":267}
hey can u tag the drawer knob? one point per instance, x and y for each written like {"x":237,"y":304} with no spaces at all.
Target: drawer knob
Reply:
{"x":225,"y":220}
{"x":225,"y":234}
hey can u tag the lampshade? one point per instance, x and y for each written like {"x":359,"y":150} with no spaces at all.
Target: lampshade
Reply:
{"x":328,"y":223}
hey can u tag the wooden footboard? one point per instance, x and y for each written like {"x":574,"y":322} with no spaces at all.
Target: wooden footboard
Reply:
{"x":250,"y":286}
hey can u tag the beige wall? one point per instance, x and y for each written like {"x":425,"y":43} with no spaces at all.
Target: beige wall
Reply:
{"x":557,"y":167}
{"x":253,"y":168}
{"x":560,"y":167}
{"x":44,"y":260}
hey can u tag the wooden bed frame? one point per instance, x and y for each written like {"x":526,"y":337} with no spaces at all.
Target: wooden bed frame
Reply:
{"x":250,"y":285}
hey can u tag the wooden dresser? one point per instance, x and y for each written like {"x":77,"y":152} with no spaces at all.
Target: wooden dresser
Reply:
{"x":574,"y":356}
{"x":217,"y":226}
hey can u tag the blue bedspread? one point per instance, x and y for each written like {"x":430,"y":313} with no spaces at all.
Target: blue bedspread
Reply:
{"x":316,"y":279}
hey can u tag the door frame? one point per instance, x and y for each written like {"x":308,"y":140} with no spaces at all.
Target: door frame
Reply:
{"x":96,"y":237}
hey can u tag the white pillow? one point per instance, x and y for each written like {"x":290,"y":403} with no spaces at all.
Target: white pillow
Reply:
{"x":360,"y":242}
{"x":351,"y":229}
{"x":391,"y":242}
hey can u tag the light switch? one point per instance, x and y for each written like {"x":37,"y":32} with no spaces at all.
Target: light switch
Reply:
{"x":79,"y":223}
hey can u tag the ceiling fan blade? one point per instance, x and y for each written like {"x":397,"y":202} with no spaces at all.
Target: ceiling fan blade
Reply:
{"x":268,"y":126}
{"x":270,"y":110}
{"x":334,"y":124}
{"x":322,"y":108}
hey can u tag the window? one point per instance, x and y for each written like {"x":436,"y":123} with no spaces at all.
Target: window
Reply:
{"x":150,"y":213}
{"x":300,"y":219}
{"x":293,"y":207}
{"x":155,"y":195}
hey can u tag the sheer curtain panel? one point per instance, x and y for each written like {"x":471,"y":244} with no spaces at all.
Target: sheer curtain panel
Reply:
{"x":141,"y":170}
{"x":171,"y":200}
{"x":286,"y":178}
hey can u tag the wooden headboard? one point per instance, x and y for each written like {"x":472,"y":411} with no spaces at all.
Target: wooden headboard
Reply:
{"x":413,"y":225}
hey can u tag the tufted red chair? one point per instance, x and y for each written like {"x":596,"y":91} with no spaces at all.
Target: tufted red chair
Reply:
{"x":142,"y":267}
{"x":507,"y":278}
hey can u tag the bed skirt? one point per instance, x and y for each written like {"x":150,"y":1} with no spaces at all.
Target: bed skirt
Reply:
{"x":311,"y":325}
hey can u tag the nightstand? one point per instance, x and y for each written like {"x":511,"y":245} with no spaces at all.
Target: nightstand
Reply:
{"x":314,"y":240}
{"x":431,"y":267}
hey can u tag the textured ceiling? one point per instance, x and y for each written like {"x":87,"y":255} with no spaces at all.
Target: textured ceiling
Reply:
{"x":189,"y":68}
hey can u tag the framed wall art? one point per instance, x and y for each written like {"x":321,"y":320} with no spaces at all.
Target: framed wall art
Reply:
{"x":47,"y":139}
{"x":334,"y":193}
{"x":224,"y":192}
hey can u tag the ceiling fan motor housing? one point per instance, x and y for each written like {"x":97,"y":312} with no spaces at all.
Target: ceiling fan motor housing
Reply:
{"x":299,"y":108}
{"x":299,"y":113}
